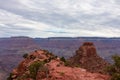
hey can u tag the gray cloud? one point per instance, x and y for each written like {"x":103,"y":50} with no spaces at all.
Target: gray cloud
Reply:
{"x":60,"y":18}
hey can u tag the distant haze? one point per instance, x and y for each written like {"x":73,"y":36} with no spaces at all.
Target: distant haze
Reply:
{"x":60,"y":18}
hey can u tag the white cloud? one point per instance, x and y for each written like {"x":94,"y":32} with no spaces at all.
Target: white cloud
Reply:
{"x":45,"y":18}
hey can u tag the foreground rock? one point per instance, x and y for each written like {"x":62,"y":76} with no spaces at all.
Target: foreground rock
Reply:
{"x":68,"y":73}
{"x":42,"y":65}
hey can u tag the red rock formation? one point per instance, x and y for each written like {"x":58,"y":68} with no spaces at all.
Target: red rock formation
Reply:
{"x":86,"y":56}
{"x":53,"y":69}
{"x":68,"y":73}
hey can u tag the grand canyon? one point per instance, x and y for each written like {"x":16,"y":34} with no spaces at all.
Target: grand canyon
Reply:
{"x":12,"y":49}
{"x":59,"y":39}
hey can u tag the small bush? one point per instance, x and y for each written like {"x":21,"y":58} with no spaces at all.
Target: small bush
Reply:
{"x":32,"y":57}
{"x":116,"y":61}
{"x":46,"y":52}
{"x":53,"y":57}
{"x":10,"y":77}
{"x":114,"y":70}
{"x":23,"y":77}
{"x":111,"y":69}
{"x":25,"y":55}
{"x":116,"y":76}
{"x":56,"y":56}
{"x":63,"y":59}
{"x":33,"y":68}
{"x":51,"y":54}
{"x":77,"y":65}
{"x":46,"y":61}
{"x":44,"y":70}
{"x":62,"y":73}
{"x":58,"y":65}
{"x":67,"y":63}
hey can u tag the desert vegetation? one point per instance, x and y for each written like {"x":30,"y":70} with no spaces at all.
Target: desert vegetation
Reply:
{"x":33,"y":68}
{"x":25,"y":55}
{"x":114,"y":69}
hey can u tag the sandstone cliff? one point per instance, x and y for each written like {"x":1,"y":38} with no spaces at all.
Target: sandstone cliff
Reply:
{"x":42,"y":65}
{"x":87,"y":58}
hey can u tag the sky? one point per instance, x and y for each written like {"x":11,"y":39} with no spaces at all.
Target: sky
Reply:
{"x":60,"y":18}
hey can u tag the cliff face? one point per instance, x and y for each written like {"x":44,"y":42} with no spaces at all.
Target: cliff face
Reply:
{"x":86,"y":56}
{"x":42,"y":65}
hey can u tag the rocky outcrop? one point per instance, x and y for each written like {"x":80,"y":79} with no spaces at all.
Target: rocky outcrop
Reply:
{"x":62,"y":72}
{"x":42,"y":65}
{"x":87,"y":58}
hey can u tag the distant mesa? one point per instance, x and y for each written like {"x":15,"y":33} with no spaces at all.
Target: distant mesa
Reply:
{"x":19,"y":37}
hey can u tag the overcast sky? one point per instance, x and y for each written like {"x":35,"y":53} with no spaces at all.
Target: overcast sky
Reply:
{"x":60,"y":18}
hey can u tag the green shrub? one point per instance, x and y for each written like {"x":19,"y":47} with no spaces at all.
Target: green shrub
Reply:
{"x":77,"y":65}
{"x":22,"y":77}
{"x":116,"y":61}
{"x":51,"y":53}
{"x":116,"y":76}
{"x":49,"y":59}
{"x":114,"y":70}
{"x":44,"y":70}
{"x":45,"y":61}
{"x":62,"y":73}
{"x":56,"y":56}
{"x":53,"y":57}
{"x":111,"y":69}
{"x":67,"y":63}
{"x":32,"y":57}
{"x":63,"y":59}
{"x":10,"y":77}
{"x":25,"y":55}
{"x":33,"y":68}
